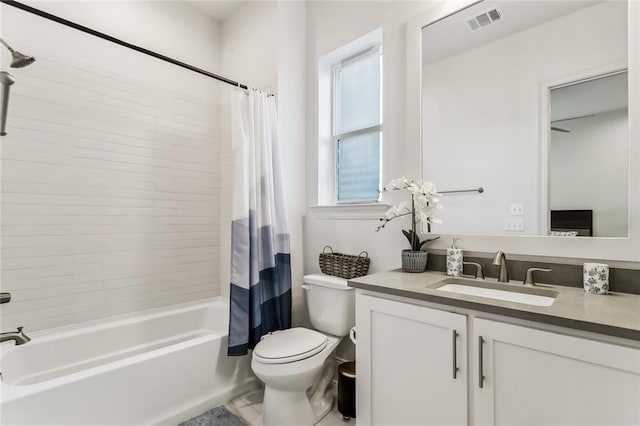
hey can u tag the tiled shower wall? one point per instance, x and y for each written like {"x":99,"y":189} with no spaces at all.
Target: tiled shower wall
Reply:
{"x":110,"y":196}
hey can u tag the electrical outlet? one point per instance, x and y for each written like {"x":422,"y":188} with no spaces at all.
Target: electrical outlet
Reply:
{"x":518,"y":225}
{"x":517,"y":209}
{"x":514,"y":225}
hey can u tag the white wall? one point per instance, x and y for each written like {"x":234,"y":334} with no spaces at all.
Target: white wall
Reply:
{"x":588,"y":169}
{"x":169,"y":27}
{"x":291,"y":86}
{"x":330,"y":26}
{"x":481,"y":114}
{"x":110,"y":185}
{"x":249,"y":45}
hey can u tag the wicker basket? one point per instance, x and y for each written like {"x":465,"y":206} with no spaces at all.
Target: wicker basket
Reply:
{"x":344,"y":265}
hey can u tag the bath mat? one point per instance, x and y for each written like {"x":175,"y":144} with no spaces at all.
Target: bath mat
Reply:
{"x":218,"y":416}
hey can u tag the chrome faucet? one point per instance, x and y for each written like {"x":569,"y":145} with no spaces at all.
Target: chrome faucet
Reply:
{"x":501,"y":260}
{"x":17,"y":336}
{"x":478,"y":273}
{"x":528,"y":279}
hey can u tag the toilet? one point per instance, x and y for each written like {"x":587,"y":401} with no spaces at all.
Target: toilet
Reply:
{"x":296,"y":365}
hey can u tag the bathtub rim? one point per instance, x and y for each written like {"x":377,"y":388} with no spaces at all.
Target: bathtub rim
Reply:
{"x":46,"y":334}
{"x":10,"y":392}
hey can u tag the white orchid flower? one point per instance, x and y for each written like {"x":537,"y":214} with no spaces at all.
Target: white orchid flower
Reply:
{"x":421,"y":216}
{"x":397,"y":184}
{"x":425,"y":203}
{"x":429,"y":188}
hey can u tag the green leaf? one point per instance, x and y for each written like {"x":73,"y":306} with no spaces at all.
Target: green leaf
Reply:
{"x":413,"y":238}
{"x":428,"y":241}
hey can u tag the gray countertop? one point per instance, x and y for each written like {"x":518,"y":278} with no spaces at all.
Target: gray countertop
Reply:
{"x":614,"y":314}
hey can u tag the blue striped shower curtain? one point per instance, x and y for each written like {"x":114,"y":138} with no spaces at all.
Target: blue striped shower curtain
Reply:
{"x":260,"y":258}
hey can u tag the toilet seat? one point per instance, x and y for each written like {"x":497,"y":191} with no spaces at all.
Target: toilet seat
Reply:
{"x":289,"y":345}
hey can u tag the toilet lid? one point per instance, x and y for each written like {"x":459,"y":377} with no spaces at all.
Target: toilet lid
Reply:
{"x":289,"y":345}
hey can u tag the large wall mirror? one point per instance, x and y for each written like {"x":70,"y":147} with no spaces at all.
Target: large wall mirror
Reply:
{"x":535,"y":103}
{"x":529,"y":100}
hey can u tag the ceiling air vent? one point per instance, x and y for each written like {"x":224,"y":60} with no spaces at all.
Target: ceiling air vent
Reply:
{"x":484,"y":19}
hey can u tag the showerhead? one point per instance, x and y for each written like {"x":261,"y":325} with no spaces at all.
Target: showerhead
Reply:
{"x":19,"y":60}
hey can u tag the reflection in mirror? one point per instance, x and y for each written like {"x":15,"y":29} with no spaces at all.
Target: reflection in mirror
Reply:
{"x":588,"y":157}
{"x":494,"y":77}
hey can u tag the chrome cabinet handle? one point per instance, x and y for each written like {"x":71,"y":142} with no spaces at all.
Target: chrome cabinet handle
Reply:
{"x":480,"y":363}
{"x":455,"y":354}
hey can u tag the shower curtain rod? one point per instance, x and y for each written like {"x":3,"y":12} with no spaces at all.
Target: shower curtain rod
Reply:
{"x":107,"y":37}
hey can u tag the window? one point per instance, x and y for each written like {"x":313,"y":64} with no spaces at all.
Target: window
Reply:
{"x":357,"y":127}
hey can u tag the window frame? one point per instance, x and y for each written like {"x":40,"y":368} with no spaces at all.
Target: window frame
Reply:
{"x":335,"y":109}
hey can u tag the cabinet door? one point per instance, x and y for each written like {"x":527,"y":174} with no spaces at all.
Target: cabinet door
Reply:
{"x":534,"y":377}
{"x":405,"y":357}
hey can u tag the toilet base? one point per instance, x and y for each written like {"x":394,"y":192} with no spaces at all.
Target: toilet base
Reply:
{"x":321,"y":410}
{"x":296,"y":408}
{"x":299,"y":411}
{"x":284,"y":408}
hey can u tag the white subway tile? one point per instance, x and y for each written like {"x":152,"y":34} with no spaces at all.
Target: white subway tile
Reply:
{"x":37,"y":188}
{"x":111,"y":193}
{"x":33,"y":230}
{"x":34,"y":262}
{"x":8,"y":253}
{"x":36,"y":283}
{"x":52,"y":271}
{"x":53,"y":291}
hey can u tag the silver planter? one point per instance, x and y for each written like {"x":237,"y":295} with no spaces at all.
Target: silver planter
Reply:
{"x":414,"y":261}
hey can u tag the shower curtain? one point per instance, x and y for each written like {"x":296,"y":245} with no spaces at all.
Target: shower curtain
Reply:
{"x":260,"y":291}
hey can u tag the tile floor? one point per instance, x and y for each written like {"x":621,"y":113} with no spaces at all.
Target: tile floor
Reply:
{"x":249,"y":408}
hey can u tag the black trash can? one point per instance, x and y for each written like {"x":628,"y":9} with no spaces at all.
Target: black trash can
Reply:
{"x":347,"y":389}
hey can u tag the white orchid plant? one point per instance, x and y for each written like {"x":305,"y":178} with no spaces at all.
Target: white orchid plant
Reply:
{"x":424,"y":207}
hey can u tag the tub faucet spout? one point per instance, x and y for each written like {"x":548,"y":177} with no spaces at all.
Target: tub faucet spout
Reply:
{"x":17,"y":336}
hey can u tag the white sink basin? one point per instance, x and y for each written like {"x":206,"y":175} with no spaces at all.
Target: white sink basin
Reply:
{"x":528,"y":296}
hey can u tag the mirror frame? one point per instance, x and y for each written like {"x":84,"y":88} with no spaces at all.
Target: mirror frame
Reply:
{"x":618,"y":250}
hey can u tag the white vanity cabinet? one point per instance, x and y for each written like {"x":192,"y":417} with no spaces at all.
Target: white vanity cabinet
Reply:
{"x":406,"y":353}
{"x":411,"y":364}
{"x":534,"y":377}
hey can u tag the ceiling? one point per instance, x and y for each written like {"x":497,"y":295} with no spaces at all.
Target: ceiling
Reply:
{"x":216,"y":9}
{"x":451,"y":36}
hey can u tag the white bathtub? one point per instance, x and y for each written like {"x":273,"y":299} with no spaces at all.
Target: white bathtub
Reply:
{"x":159,"y":366}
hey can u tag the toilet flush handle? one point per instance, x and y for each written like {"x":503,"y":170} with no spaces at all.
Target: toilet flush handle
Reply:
{"x":306,"y":287}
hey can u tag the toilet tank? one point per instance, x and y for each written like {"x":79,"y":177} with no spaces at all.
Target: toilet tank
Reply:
{"x":331,"y":303}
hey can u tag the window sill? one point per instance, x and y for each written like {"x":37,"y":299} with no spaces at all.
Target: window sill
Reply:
{"x":350,"y":211}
